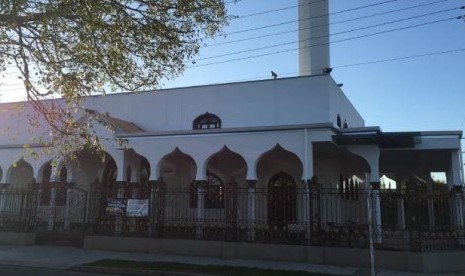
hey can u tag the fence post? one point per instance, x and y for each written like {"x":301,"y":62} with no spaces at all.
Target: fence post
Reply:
{"x":231,"y":209}
{"x":119,"y":217}
{"x":376,"y":209}
{"x":400,"y":214}
{"x":431,"y":221}
{"x":152,"y":231}
{"x":457,"y":208}
{"x":52,"y":208}
{"x":157,"y":207}
{"x":251,"y":200}
{"x":200,"y":209}
{"x":2,"y":203}
{"x":306,"y":208}
{"x":66,"y":223}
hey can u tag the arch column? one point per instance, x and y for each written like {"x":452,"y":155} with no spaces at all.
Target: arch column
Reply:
{"x":251,"y":202}
{"x":371,"y":153}
{"x":455,"y":180}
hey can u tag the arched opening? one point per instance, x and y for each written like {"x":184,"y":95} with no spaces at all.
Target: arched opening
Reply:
{"x":63,"y":177}
{"x":21,"y":175}
{"x":226,"y":171}
{"x":275,"y":161}
{"x":279,"y":171}
{"x":178,"y":193}
{"x":206,"y":121}
{"x":109,"y":174}
{"x":177,"y":169}
{"x":144,"y":171}
{"x":282,"y":201}
{"x":46,"y":173}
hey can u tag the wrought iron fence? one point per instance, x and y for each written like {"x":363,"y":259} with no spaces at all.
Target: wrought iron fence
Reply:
{"x":43,"y":208}
{"x":315,"y":216}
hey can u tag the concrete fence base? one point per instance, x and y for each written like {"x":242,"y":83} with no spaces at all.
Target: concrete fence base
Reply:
{"x":14,"y":238}
{"x":445,"y":261}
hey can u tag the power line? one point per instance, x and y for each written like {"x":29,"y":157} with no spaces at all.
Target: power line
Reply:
{"x":313,"y":17}
{"x":323,"y":44}
{"x":324,"y":25}
{"x":329,"y":35}
{"x":280,"y":9}
{"x":400,"y":58}
{"x":356,"y":65}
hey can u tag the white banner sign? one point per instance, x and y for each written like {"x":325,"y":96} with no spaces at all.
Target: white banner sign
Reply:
{"x":137,"y":208}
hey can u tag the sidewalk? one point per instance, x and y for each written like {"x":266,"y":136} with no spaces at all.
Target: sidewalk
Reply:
{"x":68,"y":257}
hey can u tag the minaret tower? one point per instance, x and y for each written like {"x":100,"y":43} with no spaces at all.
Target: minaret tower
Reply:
{"x":313,"y":30}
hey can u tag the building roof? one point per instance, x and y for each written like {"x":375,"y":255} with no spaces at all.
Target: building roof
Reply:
{"x":119,"y":126}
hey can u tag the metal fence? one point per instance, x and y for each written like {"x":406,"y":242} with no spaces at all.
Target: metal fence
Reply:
{"x":426,"y":221}
{"x":44,"y":208}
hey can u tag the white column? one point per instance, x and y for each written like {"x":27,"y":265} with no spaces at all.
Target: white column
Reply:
{"x":313,"y":30}
{"x":457,"y":215}
{"x":306,"y":209}
{"x":2,"y":204}
{"x":67,"y":219}
{"x":456,"y":170}
{"x":200,"y":212}
{"x":52,"y":207}
{"x":251,"y":202}
{"x":371,"y":153}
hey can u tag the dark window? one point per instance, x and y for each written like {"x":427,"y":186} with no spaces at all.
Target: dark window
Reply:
{"x":213,"y":193}
{"x":282,"y":200}
{"x":339,"y":121}
{"x":206,"y":121}
{"x":63,"y":174}
{"x":345,"y":124}
{"x":109,"y":174}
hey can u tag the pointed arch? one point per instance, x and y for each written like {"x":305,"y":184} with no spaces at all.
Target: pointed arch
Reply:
{"x":145,"y":170}
{"x":278,"y":160}
{"x":282,"y":200}
{"x":227,"y":165}
{"x":21,"y":174}
{"x":45,"y":173}
{"x":177,"y":169}
{"x":110,"y":172}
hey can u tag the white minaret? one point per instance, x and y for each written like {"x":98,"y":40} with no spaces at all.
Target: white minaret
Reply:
{"x":313,"y":30}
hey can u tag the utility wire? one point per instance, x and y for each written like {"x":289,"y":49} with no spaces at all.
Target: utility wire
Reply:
{"x":293,"y":21}
{"x":280,"y":9}
{"x":400,"y":58}
{"x":329,"y":35}
{"x":324,"y":25}
{"x":323,"y":44}
{"x":356,"y":65}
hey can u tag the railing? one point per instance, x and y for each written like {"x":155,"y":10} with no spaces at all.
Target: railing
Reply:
{"x":43,"y":208}
{"x":428,"y":221}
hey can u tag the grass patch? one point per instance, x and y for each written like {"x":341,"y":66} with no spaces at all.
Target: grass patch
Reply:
{"x":200,"y":269}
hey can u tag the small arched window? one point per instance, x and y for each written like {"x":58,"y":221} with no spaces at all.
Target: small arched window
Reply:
{"x":345,"y":124}
{"x":206,"y":121}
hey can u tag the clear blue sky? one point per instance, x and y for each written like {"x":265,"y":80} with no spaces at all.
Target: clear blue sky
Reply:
{"x":416,"y":94}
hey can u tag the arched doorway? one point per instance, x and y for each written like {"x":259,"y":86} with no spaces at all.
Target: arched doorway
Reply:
{"x":21,"y":175}
{"x":109,"y":174}
{"x":282,"y":201}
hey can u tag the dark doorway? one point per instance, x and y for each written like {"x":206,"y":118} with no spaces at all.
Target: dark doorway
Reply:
{"x":282,"y":205}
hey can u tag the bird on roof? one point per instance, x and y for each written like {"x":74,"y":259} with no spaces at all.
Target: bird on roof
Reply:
{"x":274,"y":75}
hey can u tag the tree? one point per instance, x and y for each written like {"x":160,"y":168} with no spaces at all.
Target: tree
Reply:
{"x":76,"y":48}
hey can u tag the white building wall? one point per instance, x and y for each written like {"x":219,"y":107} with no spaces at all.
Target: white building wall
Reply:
{"x":340,"y":104}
